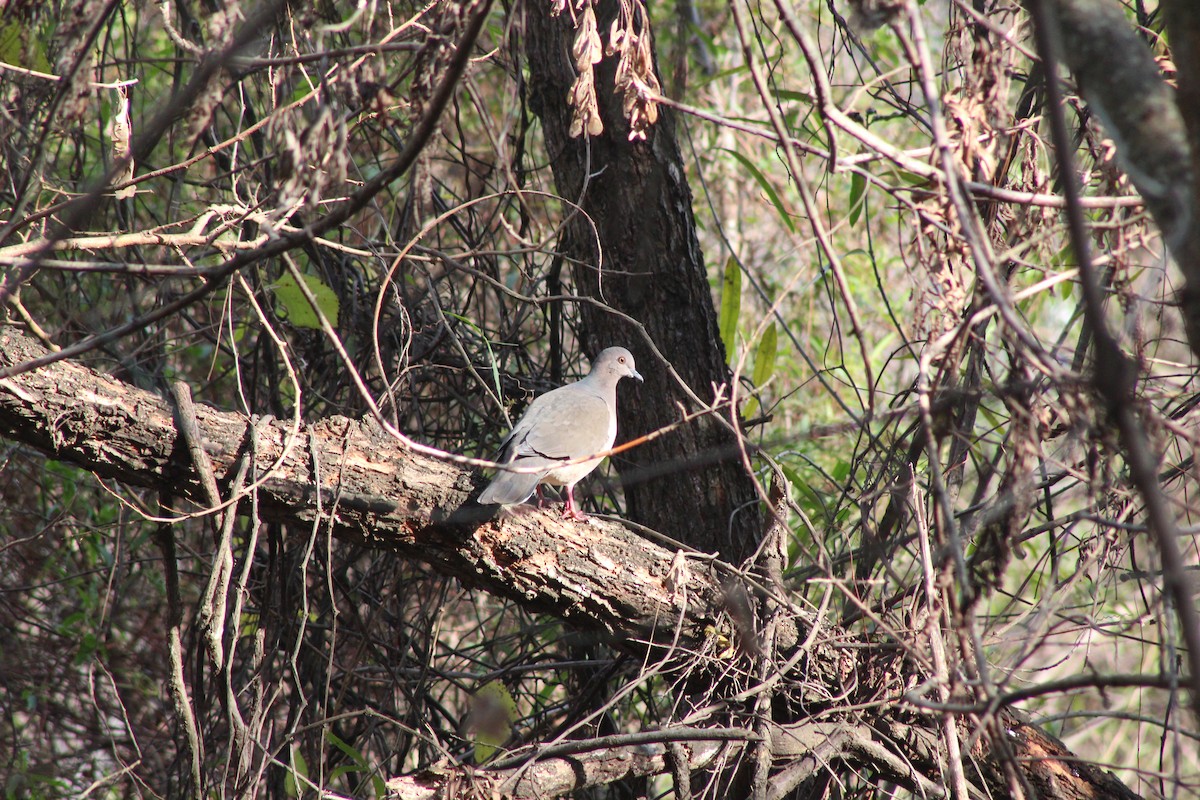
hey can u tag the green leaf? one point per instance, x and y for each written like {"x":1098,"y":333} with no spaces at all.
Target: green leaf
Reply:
{"x":858,"y":189}
{"x":912,"y":178}
{"x":764,"y":356}
{"x":990,"y":417}
{"x":296,"y":309}
{"x":291,"y":786}
{"x":1065,"y":257}
{"x":346,"y":748}
{"x":790,"y":94}
{"x":250,"y":623}
{"x":731,"y":305}
{"x":723,"y":74}
{"x":10,"y":43}
{"x":767,"y":188}
{"x":808,"y":497}
{"x":493,"y":711}
{"x":22,"y":47}
{"x":360,"y":764}
{"x":764,"y":366}
{"x":89,"y":643}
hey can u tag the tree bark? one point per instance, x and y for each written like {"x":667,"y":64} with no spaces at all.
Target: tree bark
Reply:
{"x":1155,"y":127}
{"x":646,"y":264}
{"x":1183,"y":27}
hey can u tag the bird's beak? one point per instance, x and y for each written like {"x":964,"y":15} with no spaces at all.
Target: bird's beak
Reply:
{"x":635,"y":374}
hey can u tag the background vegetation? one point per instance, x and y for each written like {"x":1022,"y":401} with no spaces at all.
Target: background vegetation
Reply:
{"x":898,"y":299}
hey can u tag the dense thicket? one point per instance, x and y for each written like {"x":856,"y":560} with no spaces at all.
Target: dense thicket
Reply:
{"x":910,"y":502}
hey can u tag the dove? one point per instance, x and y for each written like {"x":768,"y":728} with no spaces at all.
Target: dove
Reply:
{"x":559,"y":427}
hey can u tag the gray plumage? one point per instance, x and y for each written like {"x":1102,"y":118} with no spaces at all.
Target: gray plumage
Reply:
{"x":572,"y":422}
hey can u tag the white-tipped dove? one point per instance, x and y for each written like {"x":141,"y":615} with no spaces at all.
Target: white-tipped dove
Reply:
{"x":561,"y":426}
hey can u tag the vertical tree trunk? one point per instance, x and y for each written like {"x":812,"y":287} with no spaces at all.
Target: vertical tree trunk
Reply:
{"x":689,"y":484}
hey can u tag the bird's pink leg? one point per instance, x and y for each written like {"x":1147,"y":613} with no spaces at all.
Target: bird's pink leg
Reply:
{"x":570,"y":511}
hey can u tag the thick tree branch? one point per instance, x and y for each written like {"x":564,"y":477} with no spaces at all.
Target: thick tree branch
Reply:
{"x":373,"y":491}
{"x":810,"y":747}
{"x":555,"y":774}
{"x":1123,"y":86}
{"x":1183,"y":26}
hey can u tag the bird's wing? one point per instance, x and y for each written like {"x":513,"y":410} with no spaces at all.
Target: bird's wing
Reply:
{"x":563,"y":425}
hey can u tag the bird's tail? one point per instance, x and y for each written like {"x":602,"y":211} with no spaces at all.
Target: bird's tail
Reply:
{"x":509,"y":487}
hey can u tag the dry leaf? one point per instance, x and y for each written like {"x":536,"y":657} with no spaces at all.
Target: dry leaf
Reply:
{"x":120,"y":131}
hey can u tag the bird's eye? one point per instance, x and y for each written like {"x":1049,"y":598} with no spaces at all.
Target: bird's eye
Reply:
{"x":621,"y":359}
